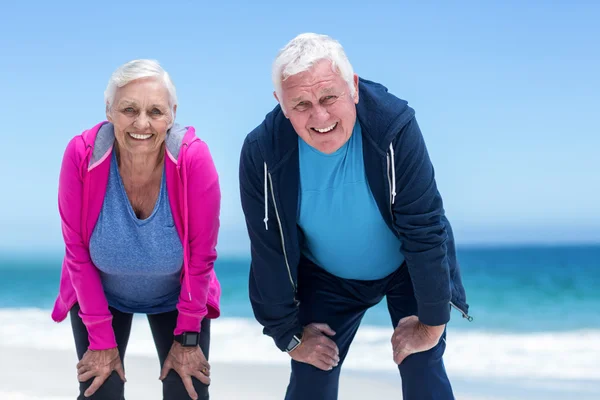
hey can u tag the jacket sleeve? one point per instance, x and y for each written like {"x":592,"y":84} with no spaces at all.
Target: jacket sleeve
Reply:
{"x":85,"y":277}
{"x":418,"y":215}
{"x":203,"y":208}
{"x":271,"y":292}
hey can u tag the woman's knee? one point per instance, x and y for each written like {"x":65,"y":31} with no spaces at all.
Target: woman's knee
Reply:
{"x":112,"y":389}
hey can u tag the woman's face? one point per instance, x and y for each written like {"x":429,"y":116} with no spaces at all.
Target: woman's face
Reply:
{"x":141,"y":115}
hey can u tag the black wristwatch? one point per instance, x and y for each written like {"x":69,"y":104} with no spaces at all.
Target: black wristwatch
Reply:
{"x":188,"y":339}
{"x":294,"y":342}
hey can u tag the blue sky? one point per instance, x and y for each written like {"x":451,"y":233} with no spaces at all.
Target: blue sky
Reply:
{"x":507,"y":96}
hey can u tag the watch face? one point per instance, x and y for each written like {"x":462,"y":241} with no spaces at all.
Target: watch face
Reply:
{"x":293,"y":343}
{"x":190,"y":339}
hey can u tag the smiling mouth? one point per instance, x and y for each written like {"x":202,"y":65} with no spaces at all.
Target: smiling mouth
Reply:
{"x":138,"y":136}
{"x":325,"y":130}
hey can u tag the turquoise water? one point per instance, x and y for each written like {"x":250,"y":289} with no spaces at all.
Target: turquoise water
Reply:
{"x":529,"y":289}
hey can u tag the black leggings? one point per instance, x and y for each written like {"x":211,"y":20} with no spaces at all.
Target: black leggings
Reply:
{"x":162,"y":326}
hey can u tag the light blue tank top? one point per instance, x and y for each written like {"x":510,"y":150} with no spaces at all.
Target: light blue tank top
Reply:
{"x":343,"y":227}
{"x":140,"y":261}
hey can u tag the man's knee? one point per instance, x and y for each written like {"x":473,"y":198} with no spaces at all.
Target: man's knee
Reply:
{"x":309,"y":382}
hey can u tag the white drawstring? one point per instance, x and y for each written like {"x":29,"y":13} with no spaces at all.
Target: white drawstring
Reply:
{"x":266,"y":220}
{"x":393,"y":174}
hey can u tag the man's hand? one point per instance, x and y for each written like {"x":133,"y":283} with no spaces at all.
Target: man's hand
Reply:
{"x":99,"y":365}
{"x":411,"y":336}
{"x":317,"y":349}
{"x":187,"y":362}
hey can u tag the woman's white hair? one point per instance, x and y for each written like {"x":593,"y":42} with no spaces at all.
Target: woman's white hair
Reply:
{"x":138,"y":69}
{"x":303,"y":52}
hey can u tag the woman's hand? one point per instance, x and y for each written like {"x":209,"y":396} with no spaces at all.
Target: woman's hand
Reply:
{"x":99,"y":364}
{"x":187,"y":362}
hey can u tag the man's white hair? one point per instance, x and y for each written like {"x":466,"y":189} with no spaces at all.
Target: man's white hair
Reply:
{"x":303,"y":52}
{"x":138,"y":69}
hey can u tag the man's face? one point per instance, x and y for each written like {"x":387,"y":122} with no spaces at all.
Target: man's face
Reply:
{"x":319,"y":105}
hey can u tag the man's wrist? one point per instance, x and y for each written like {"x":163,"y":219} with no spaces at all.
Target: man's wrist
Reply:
{"x":295,"y":342}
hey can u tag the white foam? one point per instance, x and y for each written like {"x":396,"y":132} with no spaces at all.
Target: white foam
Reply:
{"x":563,"y":356}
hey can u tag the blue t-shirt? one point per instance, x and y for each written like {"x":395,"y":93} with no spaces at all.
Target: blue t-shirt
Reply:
{"x":140,"y":261}
{"x":344,"y":230}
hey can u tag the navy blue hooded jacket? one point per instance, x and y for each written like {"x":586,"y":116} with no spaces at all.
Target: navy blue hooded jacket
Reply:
{"x":402,"y":181}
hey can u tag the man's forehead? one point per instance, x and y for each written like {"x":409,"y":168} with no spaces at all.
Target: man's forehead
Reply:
{"x":307,"y":92}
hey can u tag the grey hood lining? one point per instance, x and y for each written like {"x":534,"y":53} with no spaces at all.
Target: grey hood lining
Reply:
{"x":106,"y":138}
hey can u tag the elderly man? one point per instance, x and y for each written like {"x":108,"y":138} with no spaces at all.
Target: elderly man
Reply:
{"x":342,"y":210}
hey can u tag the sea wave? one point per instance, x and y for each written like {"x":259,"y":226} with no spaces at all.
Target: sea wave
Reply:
{"x":562,"y":356}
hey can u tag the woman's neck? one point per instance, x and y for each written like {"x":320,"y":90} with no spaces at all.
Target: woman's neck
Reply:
{"x":139,"y":169}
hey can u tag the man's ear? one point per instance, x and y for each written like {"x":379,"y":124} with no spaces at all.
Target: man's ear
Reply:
{"x":277,"y":98}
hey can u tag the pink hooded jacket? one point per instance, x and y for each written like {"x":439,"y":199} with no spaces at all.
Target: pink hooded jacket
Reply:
{"x":194,"y":196}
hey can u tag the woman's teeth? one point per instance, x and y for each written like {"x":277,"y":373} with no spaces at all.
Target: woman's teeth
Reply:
{"x":140,"y":137}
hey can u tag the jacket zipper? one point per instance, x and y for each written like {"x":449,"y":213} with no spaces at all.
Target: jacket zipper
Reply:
{"x":387,"y":156}
{"x":464,"y":314}
{"x":287,"y":264}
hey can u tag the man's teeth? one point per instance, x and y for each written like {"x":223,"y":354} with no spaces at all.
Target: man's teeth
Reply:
{"x":329,"y":128}
{"x":140,"y":137}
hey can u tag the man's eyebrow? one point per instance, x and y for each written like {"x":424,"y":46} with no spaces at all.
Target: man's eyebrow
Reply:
{"x":297,"y":99}
{"x":327,"y":90}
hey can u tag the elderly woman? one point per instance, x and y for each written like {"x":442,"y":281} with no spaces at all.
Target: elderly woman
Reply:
{"x":139,"y":202}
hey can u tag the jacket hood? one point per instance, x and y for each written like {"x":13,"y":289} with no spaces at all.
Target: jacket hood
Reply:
{"x":102,"y":141}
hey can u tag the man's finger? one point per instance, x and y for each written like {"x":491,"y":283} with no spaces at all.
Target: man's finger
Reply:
{"x":324,"y":328}
{"x":327,"y":353}
{"x":86,"y":376}
{"x":330,"y":362}
{"x":167,"y":366}
{"x":321,"y":365}
{"x":98,"y":381}
{"x":189,"y":386}
{"x":400,"y":356}
{"x":326,"y":342}
{"x":201,"y":377}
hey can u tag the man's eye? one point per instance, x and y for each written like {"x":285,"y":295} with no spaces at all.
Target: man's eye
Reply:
{"x":303,"y":105}
{"x":156,"y":111}
{"x":329,"y":99}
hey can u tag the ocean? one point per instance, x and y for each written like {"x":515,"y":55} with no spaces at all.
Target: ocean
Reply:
{"x":536,"y":316}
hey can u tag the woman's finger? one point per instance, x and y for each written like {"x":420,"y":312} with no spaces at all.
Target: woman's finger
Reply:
{"x":205,"y":369}
{"x":98,"y":381}
{"x":202,"y":377}
{"x":86,"y":376}
{"x":189,"y":386}
{"x":83,"y":369}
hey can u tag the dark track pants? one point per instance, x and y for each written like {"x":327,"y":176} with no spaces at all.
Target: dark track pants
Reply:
{"x":341,"y":303}
{"x":162,"y":327}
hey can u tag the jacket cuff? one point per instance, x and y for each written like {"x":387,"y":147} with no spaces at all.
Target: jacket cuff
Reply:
{"x":282,"y":341}
{"x":434,"y":314}
{"x":187,"y":323}
{"x":101,"y":335}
